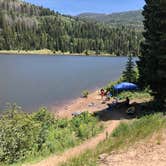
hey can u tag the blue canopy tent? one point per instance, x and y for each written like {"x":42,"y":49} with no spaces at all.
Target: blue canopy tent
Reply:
{"x":125,"y":86}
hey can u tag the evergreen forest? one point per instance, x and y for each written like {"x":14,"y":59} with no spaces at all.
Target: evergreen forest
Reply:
{"x":24,"y":26}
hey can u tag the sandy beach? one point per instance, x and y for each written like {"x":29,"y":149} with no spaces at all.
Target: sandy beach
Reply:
{"x":92,"y":103}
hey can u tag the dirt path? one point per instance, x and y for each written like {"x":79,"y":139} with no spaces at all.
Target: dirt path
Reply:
{"x":76,"y":151}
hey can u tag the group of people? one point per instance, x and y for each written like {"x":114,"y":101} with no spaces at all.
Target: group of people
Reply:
{"x":106,"y":95}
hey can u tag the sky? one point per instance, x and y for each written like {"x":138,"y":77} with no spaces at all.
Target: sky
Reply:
{"x":74,"y":7}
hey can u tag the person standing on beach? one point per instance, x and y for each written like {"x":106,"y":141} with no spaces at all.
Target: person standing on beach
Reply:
{"x":102,"y":93}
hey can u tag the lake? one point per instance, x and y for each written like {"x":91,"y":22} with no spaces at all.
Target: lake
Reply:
{"x":35,"y":81}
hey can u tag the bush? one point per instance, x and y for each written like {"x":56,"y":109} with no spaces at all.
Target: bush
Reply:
{"x":43,"y":116}
{"x":84,"y":125}
{"x":26,"y":136}
{"x":18,"y":134}
{"x":85,"y":93}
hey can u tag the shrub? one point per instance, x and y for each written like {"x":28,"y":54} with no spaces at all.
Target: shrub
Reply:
{"x":43,"y":116}
{"x":18,"y":134}
{"x":85,"y":93}
{"x":24,"y":136}
{"x":85,"y":125}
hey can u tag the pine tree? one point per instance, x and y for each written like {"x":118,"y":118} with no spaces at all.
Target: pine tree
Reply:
{"x":152,"y":64}
{"x":129,"y":75}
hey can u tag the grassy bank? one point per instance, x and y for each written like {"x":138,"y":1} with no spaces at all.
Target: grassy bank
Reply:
{"x":30,"y":52}
{"x":125,"y":135}
{"x":27,"y":137}
{"x":135,"y":95}
{"x":50,"y":52}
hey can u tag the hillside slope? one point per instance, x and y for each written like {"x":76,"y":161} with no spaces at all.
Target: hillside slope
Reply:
{"x":24,"y":26}
{"x":150,"y":152}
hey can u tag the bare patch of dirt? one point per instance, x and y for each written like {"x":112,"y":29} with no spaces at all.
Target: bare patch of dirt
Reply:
{"x":148,"y":153}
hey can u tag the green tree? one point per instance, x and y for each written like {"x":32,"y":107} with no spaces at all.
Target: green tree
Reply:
{"x":152,"y":64}
{"x":130,"y":74}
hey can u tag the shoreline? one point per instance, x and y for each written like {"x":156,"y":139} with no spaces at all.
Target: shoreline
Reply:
{"x":46,"y":52}
{"x":91,"y":104}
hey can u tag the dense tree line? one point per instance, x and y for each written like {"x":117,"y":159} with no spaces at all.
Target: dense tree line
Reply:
{"x":152,"y":64}
{"x":27,"y":27}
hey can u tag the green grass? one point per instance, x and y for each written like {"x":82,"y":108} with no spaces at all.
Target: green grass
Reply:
{"x":134,"y":95}
{"x":125,"y":135}
{"x":43,"y":51}
{"x":50,"y":52}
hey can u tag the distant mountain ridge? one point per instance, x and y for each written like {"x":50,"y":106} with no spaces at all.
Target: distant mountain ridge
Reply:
{"x":134,"y":18}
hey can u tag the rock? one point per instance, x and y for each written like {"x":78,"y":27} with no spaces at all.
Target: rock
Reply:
{"x":91,"y":104}
{"x":103,"y":156}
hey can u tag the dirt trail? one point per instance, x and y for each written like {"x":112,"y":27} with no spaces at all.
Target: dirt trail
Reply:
{"x":76,"y":151}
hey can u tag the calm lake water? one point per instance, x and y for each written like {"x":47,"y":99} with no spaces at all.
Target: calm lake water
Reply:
{"x":34,"y":81}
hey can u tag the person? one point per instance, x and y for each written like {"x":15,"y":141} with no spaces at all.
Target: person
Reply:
{"x":102,"y":93}
{"x":127,"y":102}
{"x":108,"y":95}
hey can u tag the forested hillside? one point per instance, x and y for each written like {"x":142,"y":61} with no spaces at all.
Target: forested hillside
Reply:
{"x":24,"y":26}
{"x":130,"y":18}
